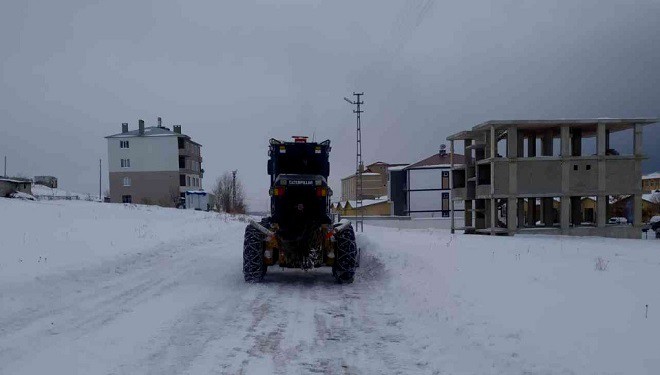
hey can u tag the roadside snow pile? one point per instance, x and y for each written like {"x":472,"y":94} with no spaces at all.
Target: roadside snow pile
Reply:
{"x":44,"y":236}
{"x":21,"y":195}
{"x":45,"y":191}
{"x":525,"y":304}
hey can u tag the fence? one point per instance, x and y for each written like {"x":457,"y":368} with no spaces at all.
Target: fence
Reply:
{"x":65,"y":198}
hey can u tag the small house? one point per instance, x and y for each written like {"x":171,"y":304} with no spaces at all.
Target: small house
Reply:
{"x":10,"y":185}
{"x":199,"y":200}
{"x":48,"y":181}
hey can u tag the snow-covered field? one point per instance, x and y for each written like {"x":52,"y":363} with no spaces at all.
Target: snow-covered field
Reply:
{"x":93,"y":288}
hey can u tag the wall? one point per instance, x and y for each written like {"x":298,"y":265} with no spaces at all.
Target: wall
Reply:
{"x":8,"y":187}
{"x":152,"y":154}
{"x":372,"y":187}
{"x":430,"y":178}
{"x":378,"y":209}
{"x":538,"y":176}
{"x":396,"y":193}
{"x":622,"y":177}
{"x":146,"y":187}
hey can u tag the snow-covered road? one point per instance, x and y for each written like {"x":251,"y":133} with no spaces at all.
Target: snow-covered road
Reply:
{"x":183,"y":308}
{"x":423,"y":302}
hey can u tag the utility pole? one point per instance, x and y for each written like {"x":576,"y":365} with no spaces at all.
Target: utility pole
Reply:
{"x":100,"y":197}
{"x":359,"y":216}
{"x":233,"y":190}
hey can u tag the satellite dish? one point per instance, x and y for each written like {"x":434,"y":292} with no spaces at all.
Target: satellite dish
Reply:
{"x":443,"y":146}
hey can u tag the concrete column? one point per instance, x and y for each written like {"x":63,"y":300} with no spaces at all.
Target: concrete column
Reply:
{"x":638,"y":140}
{"x":468,"y":153}
{"x":512,"y":142}
{"x":565,"y":143}
{"x":451,"y":185}
{"x":601,"y":210}
{"x":531,"y":145}
{"x":576,"y":142}
{"x":548,"y":211}
{"x":565,"y":213}
{"x":531,"y":212}
{"x":468,"y":214}
{"x":453,"y":222}
{"x":511,"y":215}
{"x":493,"y":215}
{"x":521,"y":212}
{"x":576,"y":210}
{"x":601,"y":139}
{"x":546,"y":143}
{"x":637,"y":210}
{"x":480,"y":217}
{"x":492,"y":141}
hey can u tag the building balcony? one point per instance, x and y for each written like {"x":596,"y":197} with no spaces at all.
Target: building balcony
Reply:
{"x":190,"y":171}
{"x":190,"y":154}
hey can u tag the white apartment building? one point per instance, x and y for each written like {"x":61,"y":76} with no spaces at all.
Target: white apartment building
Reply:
{"x":153,"y":165}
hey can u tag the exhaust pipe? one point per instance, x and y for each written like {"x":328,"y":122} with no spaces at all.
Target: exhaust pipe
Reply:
{"x":261,"y":228}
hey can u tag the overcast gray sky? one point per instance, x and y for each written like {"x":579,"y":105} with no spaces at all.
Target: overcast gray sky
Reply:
{"x":235,"y":73}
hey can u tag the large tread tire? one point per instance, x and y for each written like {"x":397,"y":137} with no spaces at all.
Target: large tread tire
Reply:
{"x":254,"y":268}
{"x":346,"y":256}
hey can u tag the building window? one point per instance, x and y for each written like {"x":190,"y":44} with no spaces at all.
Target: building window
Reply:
{"x":188,"y":184}
{"x":445,"y":179}
{"x":125,"y":163}
{"x":182,"y":143}
{"x":127,"y":181}
{"x":126,"y":199}
{"x":182,"y":180}
{"x":445,"y":204}
{"x":182,"y":162}
{"x":123,"y":144}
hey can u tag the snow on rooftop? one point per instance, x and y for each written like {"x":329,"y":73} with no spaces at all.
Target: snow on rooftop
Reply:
{"x":651,"y":176}
{"x":15,"y":180}
{"x":397,"y":168}
{"x":653,"y":197}
{"x":366,"y":202}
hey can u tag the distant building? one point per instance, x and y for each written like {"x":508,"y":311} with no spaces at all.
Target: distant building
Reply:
{"x":651,"y":182}
{"x":10,"y":185}
{"x":531,"y":176}
{"x":374,"y":182}
{"x":423,"y":189}
{"x":624,"y":207}
{"x":153,"y":165}
{"x":370,"y":207}
{"x":49,"y":181}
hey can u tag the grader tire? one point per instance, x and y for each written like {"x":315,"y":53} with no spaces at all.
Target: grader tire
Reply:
{"x":346,"y":256}
{"x":254,"y":268}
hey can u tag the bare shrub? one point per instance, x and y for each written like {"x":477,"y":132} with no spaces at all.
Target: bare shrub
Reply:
{"x":229,"y":194}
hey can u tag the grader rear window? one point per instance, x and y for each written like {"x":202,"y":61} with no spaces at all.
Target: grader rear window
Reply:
{"x":300,"y":159}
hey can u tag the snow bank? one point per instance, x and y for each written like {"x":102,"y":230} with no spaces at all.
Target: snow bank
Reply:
{"x":534,"y":304}
{"x":46,"y":236}
{"x":41,"y":190}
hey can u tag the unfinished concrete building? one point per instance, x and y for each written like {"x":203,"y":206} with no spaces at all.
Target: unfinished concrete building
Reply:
{"x":530,"y":176}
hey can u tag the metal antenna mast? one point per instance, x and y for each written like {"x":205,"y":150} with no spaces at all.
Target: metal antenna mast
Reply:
{"x":359,"y":216}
